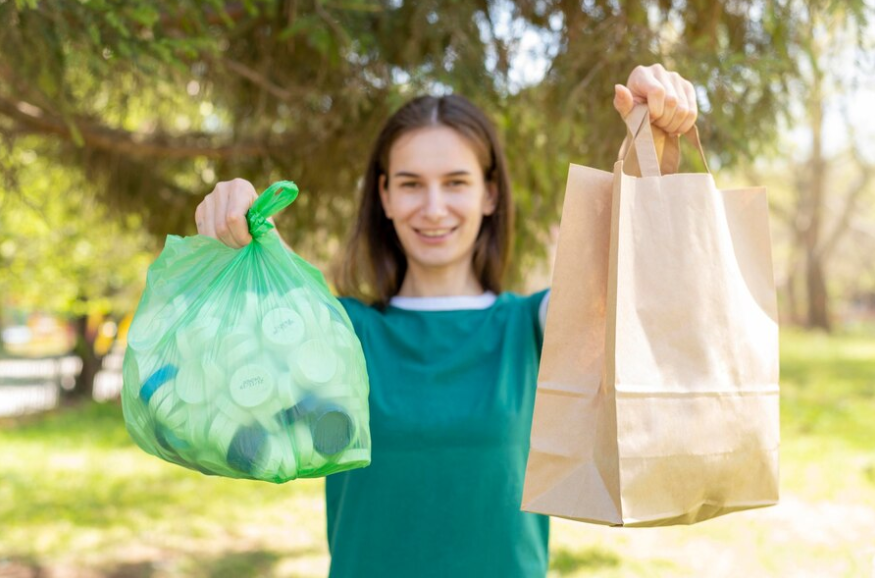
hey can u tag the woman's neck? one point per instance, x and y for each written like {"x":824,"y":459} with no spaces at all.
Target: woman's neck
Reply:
{"x":440,"y":283}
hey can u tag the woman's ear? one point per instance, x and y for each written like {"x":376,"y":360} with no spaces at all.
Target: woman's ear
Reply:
{"x":382,"y":184}
{"x":491,"y":200}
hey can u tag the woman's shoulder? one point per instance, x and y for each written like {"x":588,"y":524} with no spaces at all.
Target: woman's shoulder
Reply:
{"x":524,"y":299}
{"x":535,"y":304}
{"x":352,"y":304}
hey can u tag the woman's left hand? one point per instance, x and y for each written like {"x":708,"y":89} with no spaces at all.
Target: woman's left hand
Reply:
{"x":670,"y":98}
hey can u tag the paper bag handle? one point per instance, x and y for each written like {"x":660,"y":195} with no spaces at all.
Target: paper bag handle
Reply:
{"x":640,"y":138}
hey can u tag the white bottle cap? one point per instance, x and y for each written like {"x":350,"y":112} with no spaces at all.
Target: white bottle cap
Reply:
{"x":282,"y":328}
{"x":190,"y":383}
{"x":288,"y":392}
{"x":289,"y":464}
{"x":238,"y":347}
{"x":221,"y":434}
{"x":233,"y":411}
{"x":148,"y":327}
{"x":303,"y":444}
{"x":196,"y":427}
{"x":215,"y":380}
{"x":354,"y":456}
{"x":196,"y":337}
{"x":316,"y":361}
{"x":266,"y":414}
{"x":269,"y":460}
{"x":251,"y":385}
{"x":170,"y":412}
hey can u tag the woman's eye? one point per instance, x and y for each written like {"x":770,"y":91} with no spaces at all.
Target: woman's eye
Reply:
{"x":457,"y":183}
{"x":409,"y":185}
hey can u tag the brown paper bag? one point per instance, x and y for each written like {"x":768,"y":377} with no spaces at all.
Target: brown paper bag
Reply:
{"x":657,"y":398}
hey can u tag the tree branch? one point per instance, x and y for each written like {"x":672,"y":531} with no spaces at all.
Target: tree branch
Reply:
{"x":36,"y":120}
{"x":844,"y":222}
{"x":259,"y":79}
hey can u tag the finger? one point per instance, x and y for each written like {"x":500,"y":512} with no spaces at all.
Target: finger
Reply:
{"x":208,"y":223}
{"x":222,"y":229}
{"x":670,"y":106}
{"x":199,"y":217}
{"x":238,"y":205}
{"x":692,"y":107}
{"x":681,"y":111}
{"x":623,"y":100}
{"x":645,"y":88}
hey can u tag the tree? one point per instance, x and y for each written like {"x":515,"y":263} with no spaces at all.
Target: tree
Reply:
{"x":827,"y":187}
{"x":156,"y":100}
{"x":151,"y":102}
{"x":61,"y":251}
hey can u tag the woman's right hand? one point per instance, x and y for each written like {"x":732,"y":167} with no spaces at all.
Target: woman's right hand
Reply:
{"x":222,"y":213}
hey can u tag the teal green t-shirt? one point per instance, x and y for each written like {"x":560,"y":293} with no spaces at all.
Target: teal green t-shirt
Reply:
{"x":451,"y":402}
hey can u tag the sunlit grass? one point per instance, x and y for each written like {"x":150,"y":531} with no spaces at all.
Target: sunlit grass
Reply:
{"x":76,"y":492}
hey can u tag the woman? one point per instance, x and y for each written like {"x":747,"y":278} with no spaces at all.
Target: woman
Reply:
{"x":452,"y":360}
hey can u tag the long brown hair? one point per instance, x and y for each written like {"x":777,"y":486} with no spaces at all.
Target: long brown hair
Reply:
{"x":374,"y":264}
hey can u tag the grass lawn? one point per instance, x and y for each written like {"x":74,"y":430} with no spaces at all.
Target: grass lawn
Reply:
{"x":77,"y":498}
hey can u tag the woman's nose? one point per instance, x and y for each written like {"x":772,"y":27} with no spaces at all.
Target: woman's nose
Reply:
{"x":435,"y":205}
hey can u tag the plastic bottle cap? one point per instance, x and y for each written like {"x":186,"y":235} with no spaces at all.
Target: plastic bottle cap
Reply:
{"x":316,"y":361}
{"x":234,"y":412}
{"x":221,"y":433}
{"x":196,"y":428}
{"x":354,"y":456}
{"x":149,"y":326}
{"x":332,"y":430}
{"x":251,"y":386}
{"x":168,"y":409}
{"x":168,"y":439}
{"x":209,"y":461}
{"x":269,"y":414}
{"x":194,"y":338}
{"x":247,"y":444}
{"x":215,"y":379}
{"x":238,"y":347}
{"x":303,"y":444}
{"x":270,"y":460}
{"x":287,"y":392}
{"x":282,"y":327}
{"x":156,"y":380}
{"x":289,"y":463}
{"x":190,"y":383}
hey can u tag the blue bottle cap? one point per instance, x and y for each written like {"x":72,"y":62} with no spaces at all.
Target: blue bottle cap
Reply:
{"x":156,"y":380}
{"x":332,"y":429}
{"x":245,"y":447}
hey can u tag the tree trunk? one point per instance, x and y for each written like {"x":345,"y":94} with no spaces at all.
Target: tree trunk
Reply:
{"x":91,"y":362}
{"x":815,"y":281}
{"x":818,"y":299}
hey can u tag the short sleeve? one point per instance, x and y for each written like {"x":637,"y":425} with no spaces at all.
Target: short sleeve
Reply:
{"x":537,"y":306}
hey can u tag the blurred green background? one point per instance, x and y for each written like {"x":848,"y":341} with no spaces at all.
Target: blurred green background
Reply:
{"x":116,"y":118}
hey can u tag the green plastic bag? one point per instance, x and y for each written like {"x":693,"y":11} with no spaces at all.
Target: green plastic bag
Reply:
{"x":241,"y":363}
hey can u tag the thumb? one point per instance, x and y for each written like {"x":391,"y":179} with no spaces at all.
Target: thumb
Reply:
{"x":623,"y":100}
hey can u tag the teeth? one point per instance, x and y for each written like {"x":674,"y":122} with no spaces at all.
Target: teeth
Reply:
{"x":435,"y":232}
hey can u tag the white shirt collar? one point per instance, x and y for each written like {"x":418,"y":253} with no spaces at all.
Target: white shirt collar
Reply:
{"x":451,"y":303}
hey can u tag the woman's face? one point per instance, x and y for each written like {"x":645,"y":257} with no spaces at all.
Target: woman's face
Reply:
{"x":436,"y":197}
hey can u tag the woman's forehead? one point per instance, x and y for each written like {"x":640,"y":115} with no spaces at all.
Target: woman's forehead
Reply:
{"x":433,"y":151}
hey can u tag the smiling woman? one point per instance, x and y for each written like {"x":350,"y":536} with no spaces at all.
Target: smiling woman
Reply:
{"x":436,"y":214}
{"x":452,"y":359}
{"x":437,"y":203}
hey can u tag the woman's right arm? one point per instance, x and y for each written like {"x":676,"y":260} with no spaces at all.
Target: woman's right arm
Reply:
{"x":222,"y":213}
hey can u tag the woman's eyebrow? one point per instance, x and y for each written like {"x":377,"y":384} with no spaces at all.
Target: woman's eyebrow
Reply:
{"x":458,"y":173}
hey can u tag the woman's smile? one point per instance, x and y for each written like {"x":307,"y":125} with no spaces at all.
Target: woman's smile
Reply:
{"x":435,"y":235}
